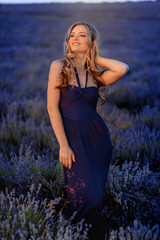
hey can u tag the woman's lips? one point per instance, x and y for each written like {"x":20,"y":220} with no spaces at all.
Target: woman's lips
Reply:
{"x":75,"y":44}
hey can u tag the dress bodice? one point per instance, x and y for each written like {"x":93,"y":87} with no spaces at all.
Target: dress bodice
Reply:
{"x":73,"y":100}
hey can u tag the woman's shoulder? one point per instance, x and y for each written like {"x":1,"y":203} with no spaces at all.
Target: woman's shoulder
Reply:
{"x":57,"y":63}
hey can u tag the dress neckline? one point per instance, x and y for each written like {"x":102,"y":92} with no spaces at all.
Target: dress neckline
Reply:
{"x":77,"y":77}
{"x":82,"y":88}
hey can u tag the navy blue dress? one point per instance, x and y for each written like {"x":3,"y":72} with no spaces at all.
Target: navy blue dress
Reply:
{"x":89,"y":138}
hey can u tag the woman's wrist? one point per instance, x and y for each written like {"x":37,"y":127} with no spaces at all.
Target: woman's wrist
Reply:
{"x":96,"y":60}
{"x":64,"y":145}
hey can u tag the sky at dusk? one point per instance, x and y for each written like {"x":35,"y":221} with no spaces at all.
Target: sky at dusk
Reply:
{"x":65,"y":1}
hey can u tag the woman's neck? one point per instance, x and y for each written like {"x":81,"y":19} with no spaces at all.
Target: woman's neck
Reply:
{"x":81,"y":61}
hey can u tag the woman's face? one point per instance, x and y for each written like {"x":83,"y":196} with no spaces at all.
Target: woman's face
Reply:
{"x":79,"y":39}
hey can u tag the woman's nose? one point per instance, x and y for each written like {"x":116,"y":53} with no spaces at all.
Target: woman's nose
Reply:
{"x":76,"y":36}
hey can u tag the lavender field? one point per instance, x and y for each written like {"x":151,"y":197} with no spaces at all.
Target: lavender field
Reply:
{"x":32,"y":191}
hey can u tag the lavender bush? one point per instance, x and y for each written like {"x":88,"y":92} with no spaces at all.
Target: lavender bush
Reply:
{"x":27,"y":217}
{"x":132,"y":189}
{"x":137,"y":231}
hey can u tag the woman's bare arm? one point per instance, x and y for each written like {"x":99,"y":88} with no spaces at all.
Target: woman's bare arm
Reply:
{"x":53,"y":97}
{"x":117,"y":69}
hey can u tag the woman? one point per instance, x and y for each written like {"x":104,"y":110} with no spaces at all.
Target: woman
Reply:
{"x":84,"y":139}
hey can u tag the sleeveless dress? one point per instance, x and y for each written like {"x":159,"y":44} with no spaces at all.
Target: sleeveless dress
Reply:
{"x":89,"y":138}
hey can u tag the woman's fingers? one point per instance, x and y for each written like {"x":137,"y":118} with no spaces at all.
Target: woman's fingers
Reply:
{"x":73,"y":157}
{"x":69,"y":163}
{"x":67,"y":158}
{"x":65,"y":161}
{"x":70,"y":160}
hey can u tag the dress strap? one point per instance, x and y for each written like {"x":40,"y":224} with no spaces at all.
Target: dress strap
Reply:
{"x":77,"y":76}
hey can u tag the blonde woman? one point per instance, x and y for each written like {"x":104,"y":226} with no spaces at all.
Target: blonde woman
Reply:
{"x":85,"y":145}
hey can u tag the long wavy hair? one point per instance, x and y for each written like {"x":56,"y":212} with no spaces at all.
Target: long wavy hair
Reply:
{"x":70,"y":60}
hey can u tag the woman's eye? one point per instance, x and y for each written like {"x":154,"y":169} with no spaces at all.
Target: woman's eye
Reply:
{"x":80,"y":35}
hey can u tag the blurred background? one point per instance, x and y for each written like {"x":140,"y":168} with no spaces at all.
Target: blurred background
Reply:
{"x":31,"y":37}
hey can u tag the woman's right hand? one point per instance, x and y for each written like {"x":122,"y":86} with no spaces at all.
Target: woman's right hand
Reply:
{"x":66,"y":155}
